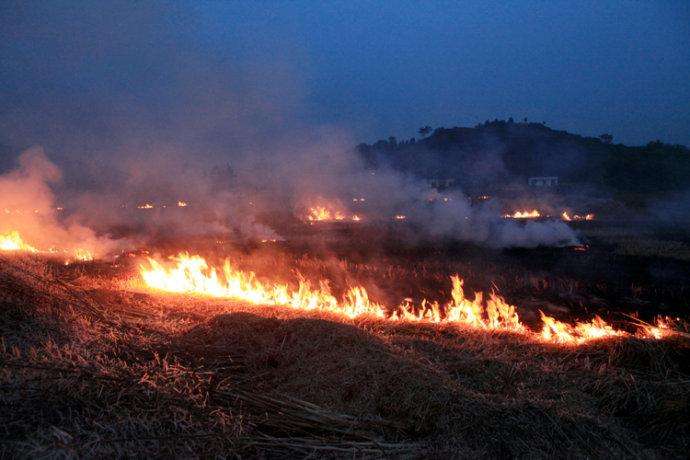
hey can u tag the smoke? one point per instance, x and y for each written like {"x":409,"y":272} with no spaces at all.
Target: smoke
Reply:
{"x":145,"y":106}
{"x":28,"y":206}
{"x":330,"y":173}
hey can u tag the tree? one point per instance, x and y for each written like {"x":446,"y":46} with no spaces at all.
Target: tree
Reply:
{"x":424,"y":131}
{"x":606,"y":138}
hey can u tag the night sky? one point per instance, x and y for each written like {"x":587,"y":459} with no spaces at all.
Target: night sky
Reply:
{"x":79,"y":75}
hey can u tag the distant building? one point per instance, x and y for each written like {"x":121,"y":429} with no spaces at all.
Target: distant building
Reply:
{"x":545,"y":181}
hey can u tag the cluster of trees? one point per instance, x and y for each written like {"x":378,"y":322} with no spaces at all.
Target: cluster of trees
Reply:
{"x":524,"y":149}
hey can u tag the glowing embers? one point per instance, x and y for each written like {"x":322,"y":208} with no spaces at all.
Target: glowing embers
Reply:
{"x":12,"y":241}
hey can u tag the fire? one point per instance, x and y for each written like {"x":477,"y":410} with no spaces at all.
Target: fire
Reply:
{"x":325,"y":214}
{"x":495,"y":314}
{"x":400,"y":217}
{"x":661,"y":329}
{"x":557,"y":331}
{"x":12,"y":241}
{"x":146,"y":205}
{"x":182,"y":204}
{"x":83,"y":255}
{"x":533,"y":214}
{"x":191,"y":274}
{"x":319,"y":213}
{"x":576,"y":217}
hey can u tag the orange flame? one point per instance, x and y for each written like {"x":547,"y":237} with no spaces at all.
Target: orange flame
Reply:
{"x":662,"y":329}
{"x":533,"y":214}
{"x":190,"y":274}
{"x":12,"y":241}
{"x":568,"y":218}
{"x":324,"y":214}
{"x":319,"y":213}
{"x":557,"y":331}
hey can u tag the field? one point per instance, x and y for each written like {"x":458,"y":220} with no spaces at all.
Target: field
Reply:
{"x":95,"y":364}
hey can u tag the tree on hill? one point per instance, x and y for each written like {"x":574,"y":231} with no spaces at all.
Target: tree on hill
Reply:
{"x":606,"y":138}
{"x":424,"y":131}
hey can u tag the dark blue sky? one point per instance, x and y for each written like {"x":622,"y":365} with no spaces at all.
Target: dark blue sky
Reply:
{"x":78,"y":74}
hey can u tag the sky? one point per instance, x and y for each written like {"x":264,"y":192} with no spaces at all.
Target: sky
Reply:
{"x":221,"y":76}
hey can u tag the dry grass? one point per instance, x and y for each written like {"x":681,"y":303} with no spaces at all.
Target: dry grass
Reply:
{"x":88,"y":369}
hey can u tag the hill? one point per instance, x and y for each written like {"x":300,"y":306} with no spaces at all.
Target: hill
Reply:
{"x":484,"y":158}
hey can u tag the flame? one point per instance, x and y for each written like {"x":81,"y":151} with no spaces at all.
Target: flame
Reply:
{"x":191,"y":274}
{"x":662,"y":329}
{"x":533,"y":214}
{"x":560,"y":332}
{"x":146,"y":205}
{"x":12,"y":241}
{"x":83,"y":255}
{"x":400,"y":217}
{"x":324,"y":214}
{"x":568,"y":218}
{"x":319,"y":213}
{"x":182,"y":204}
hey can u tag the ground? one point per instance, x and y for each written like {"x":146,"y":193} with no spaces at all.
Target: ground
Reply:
{"x":92,"y":365}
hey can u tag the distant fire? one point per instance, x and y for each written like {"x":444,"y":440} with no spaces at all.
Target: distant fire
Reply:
{"x":191,"y":274}
{"x":146,"y":205}
{"x":327,"y":214}
{"x":536,"y":214}
{"x":13,"y":242}
{"x":576,"y":217}
{"x":182,"y":204}
{"x":400,"y":217}
{"x":533,"y":214}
